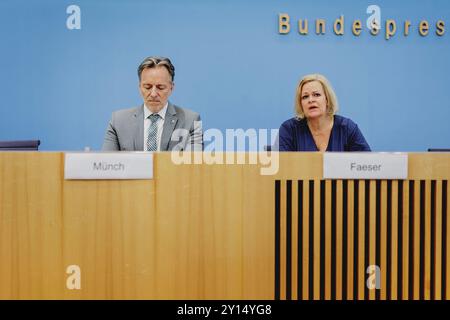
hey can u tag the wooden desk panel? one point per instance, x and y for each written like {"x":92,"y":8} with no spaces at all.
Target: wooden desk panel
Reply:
{"x":208,"y":232}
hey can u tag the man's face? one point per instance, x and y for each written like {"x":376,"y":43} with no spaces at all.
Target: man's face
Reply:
{"x":156,"y":87}
{"x":314,"y":100}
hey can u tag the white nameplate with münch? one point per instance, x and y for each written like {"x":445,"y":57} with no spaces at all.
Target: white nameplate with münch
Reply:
{"x":105,"y":165}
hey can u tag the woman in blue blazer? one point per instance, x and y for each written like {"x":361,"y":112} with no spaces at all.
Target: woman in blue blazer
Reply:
{"x":316,"y":127}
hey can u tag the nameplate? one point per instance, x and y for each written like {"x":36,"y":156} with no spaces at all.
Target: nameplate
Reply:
{"x":99,"y":166}
{"x":352,"y":165}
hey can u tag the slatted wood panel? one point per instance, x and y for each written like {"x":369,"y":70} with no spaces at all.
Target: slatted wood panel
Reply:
{"x":401,"y":227}
{"x":206,"y":231}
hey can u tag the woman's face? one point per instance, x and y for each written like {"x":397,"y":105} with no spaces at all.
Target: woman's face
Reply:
{"x":313,"y":100}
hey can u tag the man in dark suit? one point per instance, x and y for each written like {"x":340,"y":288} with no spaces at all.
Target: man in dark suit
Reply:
{"x":157,"y":125}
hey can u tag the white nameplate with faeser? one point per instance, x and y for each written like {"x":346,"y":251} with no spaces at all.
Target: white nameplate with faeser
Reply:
{"x":365,"y":165}
{"x":106,"y":165}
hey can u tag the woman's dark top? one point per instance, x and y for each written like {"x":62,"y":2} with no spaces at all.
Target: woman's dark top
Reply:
{"x":345,"y":136}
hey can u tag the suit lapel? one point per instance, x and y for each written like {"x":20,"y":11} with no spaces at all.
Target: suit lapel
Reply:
{"x":138,"y":122}
{"x":169,"y":125}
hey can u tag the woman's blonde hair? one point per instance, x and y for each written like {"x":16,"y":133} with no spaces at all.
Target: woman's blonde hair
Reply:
{"x":332,"y":103}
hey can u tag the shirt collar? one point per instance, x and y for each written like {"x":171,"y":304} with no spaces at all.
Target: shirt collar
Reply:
{"x":162,"y":112}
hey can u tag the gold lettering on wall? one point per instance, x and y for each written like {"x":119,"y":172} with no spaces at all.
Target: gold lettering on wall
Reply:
{"x":423,"y":28}
{"x":440,"y":25}
{"x":303,"y":26}
{"x":391,"y":28}
{"x":407,"y":25}
{"x":374,"y":31}
{"x":320,"y":26}
{"x":356,"y":28}
{"x":283,"y":23}
{"x":339,"y":26}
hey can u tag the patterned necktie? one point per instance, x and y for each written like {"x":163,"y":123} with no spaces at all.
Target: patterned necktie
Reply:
{"x":152,"y":141}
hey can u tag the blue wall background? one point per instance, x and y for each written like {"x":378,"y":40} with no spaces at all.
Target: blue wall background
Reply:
{"x":232,"y":66}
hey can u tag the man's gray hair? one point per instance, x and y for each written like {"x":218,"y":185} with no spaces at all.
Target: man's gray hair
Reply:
{"x":155,"y":61}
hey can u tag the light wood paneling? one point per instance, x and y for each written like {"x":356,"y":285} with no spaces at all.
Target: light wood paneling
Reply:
{"x":30,"y":226}
{"x":306,"y":248}
{"x":417,"y":240}
{"x":339,"y":240}
{"x":327,"y":237}
{"x":372,"y":233}
{"x":394,"y":242}
{"x":361,"y":241}
{"x":208,"y":231}
{"x":383,"y":240}
{"x":295,"y":234}
{"x":351,"y":239}
{"x":406,"y":242}
{"x":438,"y":244}
{"x":317,"y":242}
